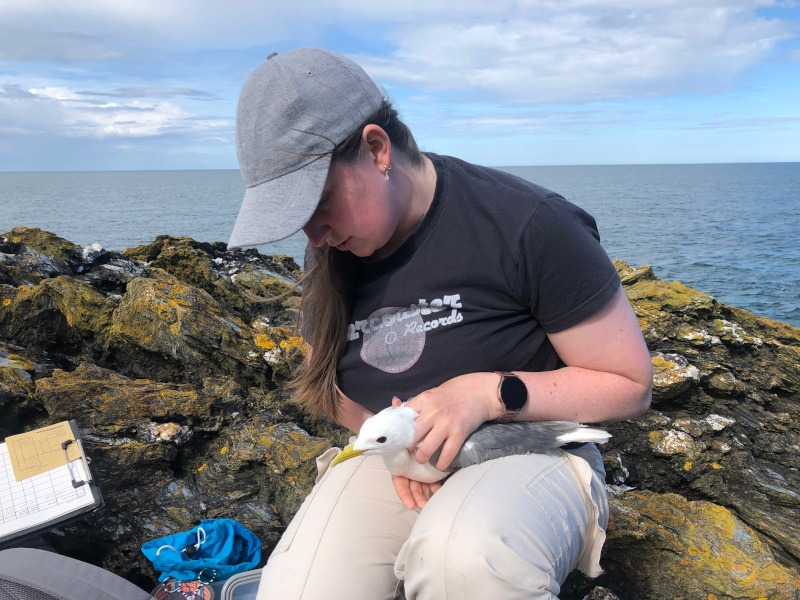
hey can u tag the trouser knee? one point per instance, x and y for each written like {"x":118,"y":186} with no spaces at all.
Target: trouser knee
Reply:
{"x":497,"y":541}
{"x":470,"y":561}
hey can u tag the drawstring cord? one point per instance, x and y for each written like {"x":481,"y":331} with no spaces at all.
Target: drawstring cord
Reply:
{"x":190,"y":550}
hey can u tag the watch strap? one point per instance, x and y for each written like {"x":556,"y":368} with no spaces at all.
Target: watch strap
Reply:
{"x":508,"y":412}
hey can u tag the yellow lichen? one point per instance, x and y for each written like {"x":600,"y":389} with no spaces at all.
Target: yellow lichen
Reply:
{"x":687,"y":466}
{"x":660,"y":362}
{"x":264,"y":342}
{"x":223,"y":450}
{"x":292,"y":342}
{"x":181,"y":515}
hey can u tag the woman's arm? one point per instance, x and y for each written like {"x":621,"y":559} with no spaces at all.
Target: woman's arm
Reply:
{"x":607,"y":377}
{"x":351,"y":414}
{"x":608,"y":374}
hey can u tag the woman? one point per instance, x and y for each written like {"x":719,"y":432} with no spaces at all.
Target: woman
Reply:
{"x":473,"y":294}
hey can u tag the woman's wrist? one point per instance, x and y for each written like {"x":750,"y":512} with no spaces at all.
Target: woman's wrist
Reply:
{"x":496,"y":407}
{"x":481,"y":390}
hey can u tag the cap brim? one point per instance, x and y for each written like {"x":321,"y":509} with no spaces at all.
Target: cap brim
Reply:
{"x":276,"y":209}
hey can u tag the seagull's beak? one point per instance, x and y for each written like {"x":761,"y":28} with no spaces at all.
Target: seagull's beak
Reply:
{"x":346,"y":454}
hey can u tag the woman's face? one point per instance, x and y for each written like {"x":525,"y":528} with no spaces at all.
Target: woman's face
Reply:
{"x":355,"y":213}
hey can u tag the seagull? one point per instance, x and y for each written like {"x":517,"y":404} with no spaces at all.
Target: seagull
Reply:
{"x":391,"y":434}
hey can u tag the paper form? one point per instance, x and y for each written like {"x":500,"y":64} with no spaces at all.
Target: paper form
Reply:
{"x":41,"y":498}
{"x":42,"y":501}
{"x":40,"y":450}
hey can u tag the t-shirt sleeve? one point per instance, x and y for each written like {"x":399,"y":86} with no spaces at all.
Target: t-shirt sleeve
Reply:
{"x":565,"y":273}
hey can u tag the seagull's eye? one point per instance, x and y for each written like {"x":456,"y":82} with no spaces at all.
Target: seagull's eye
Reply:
{"x":381,"y":439}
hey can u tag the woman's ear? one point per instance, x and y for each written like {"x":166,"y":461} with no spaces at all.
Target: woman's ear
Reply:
{"x":377,"y":142}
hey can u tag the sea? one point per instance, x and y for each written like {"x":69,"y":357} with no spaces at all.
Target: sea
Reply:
{"x":730,"y":230}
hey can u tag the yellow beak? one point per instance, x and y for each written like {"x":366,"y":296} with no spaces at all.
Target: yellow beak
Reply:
{"x":346,"y":454}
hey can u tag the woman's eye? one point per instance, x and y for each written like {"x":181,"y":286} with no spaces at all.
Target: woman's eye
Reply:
{"x":381,"y":439}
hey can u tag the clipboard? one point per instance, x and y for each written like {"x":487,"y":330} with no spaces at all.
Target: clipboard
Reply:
{"x":45,"y":481}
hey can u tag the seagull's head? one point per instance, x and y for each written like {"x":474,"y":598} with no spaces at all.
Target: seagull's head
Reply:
{"x":389,"y":431}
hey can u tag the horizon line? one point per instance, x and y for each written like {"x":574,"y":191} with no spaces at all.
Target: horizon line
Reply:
{"x":659,"y":164}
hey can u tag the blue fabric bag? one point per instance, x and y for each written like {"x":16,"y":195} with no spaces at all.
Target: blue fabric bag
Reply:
{"x":215,"y":549}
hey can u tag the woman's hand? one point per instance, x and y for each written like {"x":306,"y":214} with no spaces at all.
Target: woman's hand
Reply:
{"x":414,"y":494}
{"x":450,"y":412}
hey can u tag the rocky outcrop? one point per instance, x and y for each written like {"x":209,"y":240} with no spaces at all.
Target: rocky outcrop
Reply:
{"x":717,"y":454}
{"x":172,"y":358}
{"x":171,"y":365}
{"x":689,"y":549}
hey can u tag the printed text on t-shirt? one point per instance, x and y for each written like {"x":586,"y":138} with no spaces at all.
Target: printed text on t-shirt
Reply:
{"x":422,"y":308}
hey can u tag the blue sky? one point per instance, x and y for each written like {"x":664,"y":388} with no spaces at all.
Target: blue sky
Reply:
{"x":153,"y":84}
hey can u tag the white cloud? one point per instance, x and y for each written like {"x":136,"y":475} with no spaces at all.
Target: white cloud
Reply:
{"x":122,"y":26}
{"x":504,"y":50}
{"x":54,"y":93}
{"x":158,"y":91}
{"x":20,"y":43}
{"x":147,"y":71}
{"x":64,"y":112}
{"x":754,"y":122}
{"x":582,"y":54}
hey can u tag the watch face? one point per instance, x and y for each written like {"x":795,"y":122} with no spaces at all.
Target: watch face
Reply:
{"x":513,"y":392}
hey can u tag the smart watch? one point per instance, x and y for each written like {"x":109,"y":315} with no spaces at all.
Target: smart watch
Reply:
{"x":512,"y":394}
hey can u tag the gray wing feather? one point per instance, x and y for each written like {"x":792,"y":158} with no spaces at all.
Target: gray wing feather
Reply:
{"x":493,"y":440}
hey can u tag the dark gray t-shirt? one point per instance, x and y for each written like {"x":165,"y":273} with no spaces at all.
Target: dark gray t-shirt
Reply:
{"x":496,"y":263}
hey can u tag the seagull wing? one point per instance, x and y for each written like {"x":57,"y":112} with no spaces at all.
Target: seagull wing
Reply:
{"x":493,"y":440}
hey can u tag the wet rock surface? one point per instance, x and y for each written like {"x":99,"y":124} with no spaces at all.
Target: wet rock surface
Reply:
{"x":173,"y":364}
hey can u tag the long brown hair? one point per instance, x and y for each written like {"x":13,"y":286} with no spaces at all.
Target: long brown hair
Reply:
{"x":330,"y":281}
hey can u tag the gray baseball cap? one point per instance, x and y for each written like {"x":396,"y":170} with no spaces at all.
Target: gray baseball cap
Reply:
{"x":294,"y":109}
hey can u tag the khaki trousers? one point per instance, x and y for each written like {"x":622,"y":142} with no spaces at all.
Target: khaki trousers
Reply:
{"x":508,"y":528}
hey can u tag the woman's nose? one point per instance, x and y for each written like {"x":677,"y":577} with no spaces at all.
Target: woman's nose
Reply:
{"x":316,"y":231}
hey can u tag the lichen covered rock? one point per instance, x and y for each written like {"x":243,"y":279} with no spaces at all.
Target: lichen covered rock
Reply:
{"x":173,"y":359}
{"x":61,"y":314}
{"x":672,"y":375}
{"x":664,"y":546}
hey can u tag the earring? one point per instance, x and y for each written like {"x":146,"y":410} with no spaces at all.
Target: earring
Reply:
{"x":386,"y":172}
